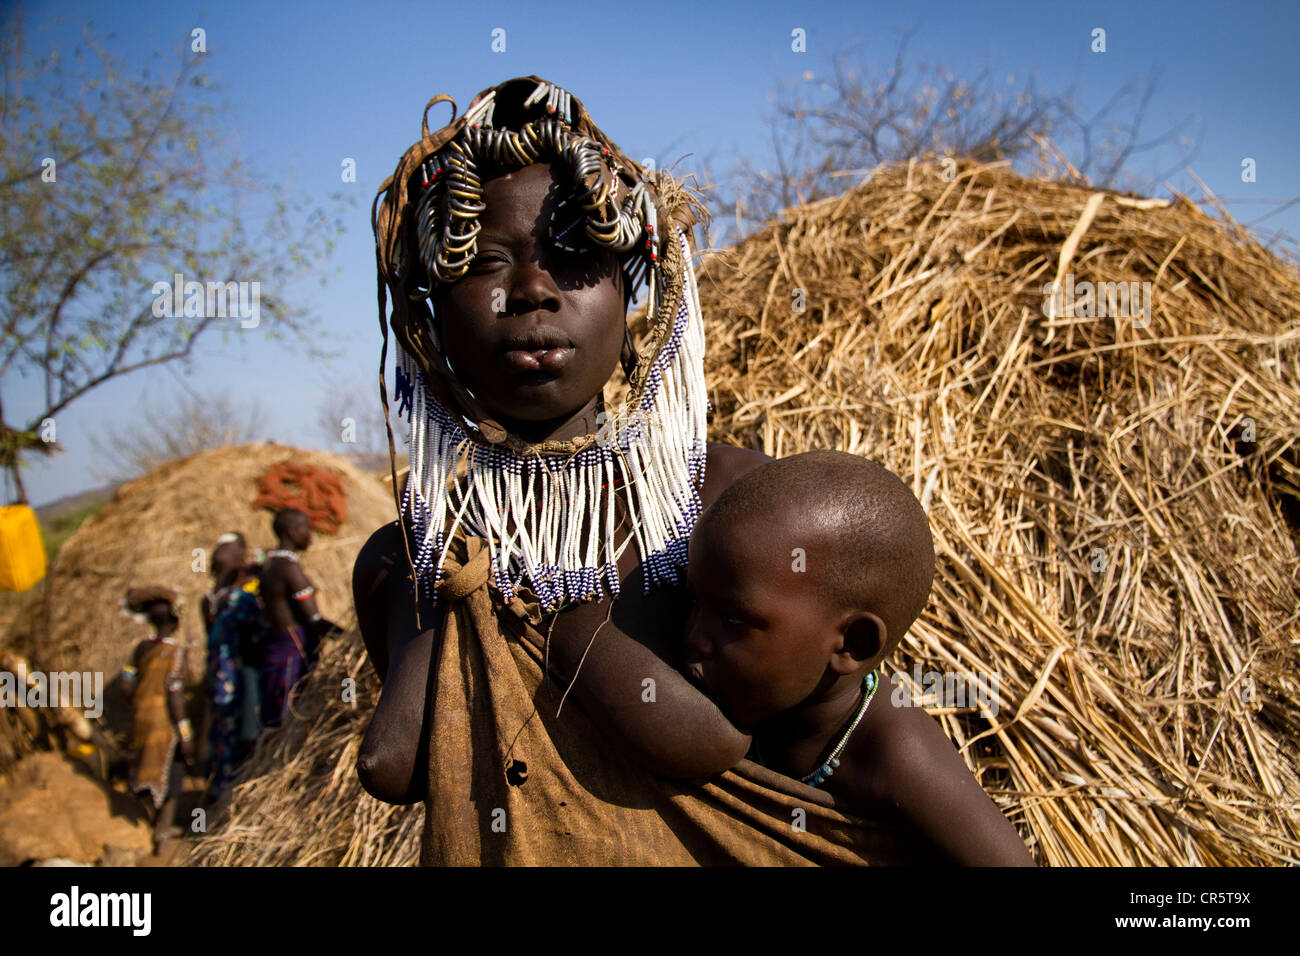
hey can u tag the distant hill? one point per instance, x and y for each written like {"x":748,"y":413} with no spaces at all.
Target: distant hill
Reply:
{"x":54,"y":511}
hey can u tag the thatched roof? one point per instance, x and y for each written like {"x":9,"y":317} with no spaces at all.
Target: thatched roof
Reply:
{"x":1112,"y":548}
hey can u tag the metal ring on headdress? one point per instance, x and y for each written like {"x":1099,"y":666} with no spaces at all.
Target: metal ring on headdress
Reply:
{"x":486,"y":143}
{"x":457,"y":161}
{"x":454,"y":248}
{"x":554,"y":137}
{"x":464,"y":178}
{"x":503,"y":149}
{"x":461,"y":198}
{"x":629,"y":231}
{"x":596,"y":193}
{"x":600,"y":193}
{"x":452,"y":265}
{"x":448,"y":272}
{"x":534,"y":138}
{"x":427,"y":223}
{"x":586,"y":158}
{"x":605,"y":238}
{"x":452,"y":268}
{"x":604,"y":230}
{"x":462,"y":168}
{"x":465,"y":200}
{"x":524,"y":150}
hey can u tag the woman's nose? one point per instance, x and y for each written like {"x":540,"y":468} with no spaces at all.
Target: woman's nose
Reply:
{"x":532,"y":288}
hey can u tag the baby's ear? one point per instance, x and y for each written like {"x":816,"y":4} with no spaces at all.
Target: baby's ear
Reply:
{"x":865,"y":639}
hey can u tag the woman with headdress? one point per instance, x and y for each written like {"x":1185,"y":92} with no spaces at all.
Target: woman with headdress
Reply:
{"x":545,"y":533}
{"x":153,"y":681}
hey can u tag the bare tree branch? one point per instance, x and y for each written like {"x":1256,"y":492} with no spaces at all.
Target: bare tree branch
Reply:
{"x":862,"y":116}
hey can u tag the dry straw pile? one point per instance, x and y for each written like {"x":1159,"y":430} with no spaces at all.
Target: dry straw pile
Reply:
{"x":298,"y":802}
{"x":1109,"y":549}
{"x":1114,"y":502}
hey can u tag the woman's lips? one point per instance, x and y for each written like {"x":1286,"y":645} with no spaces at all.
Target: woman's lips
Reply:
{"x":540,"y":360}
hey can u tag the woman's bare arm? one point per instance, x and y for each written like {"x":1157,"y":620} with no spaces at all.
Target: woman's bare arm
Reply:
{"x":393,"y":760}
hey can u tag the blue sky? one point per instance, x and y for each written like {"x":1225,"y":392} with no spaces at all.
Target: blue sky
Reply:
{"x":312,"y":84}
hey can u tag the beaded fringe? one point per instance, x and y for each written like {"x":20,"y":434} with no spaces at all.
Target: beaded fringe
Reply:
{"x":534,"y":528}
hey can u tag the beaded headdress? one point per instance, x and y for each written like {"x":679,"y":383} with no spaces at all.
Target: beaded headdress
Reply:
{"x":546,"y":510}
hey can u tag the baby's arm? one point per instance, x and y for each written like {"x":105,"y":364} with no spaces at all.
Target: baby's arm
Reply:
{"x":629,"y":687}
{"x":915,"y":768}
{"x":667,"y":726}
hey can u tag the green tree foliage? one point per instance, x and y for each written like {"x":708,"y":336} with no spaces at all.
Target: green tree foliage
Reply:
{"x":143,"y":185}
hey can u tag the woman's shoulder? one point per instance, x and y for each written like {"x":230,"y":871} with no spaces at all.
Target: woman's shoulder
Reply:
{"x":725,"y":464}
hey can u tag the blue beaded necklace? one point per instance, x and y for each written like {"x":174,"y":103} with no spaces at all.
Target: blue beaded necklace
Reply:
{"x":818,"y":776}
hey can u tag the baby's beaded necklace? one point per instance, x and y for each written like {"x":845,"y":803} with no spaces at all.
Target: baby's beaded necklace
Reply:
{"x":818,"y":776}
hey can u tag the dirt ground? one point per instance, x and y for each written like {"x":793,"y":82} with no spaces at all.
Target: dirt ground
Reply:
{"x":52,"y":808}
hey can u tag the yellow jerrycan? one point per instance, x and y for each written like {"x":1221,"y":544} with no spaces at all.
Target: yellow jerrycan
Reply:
{"x":22,"y":554}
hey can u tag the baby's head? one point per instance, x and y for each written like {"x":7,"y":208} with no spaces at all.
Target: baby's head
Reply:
{"x":807,"y":571}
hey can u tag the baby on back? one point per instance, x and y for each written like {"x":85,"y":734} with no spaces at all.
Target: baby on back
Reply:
{"x":807,"y":572}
